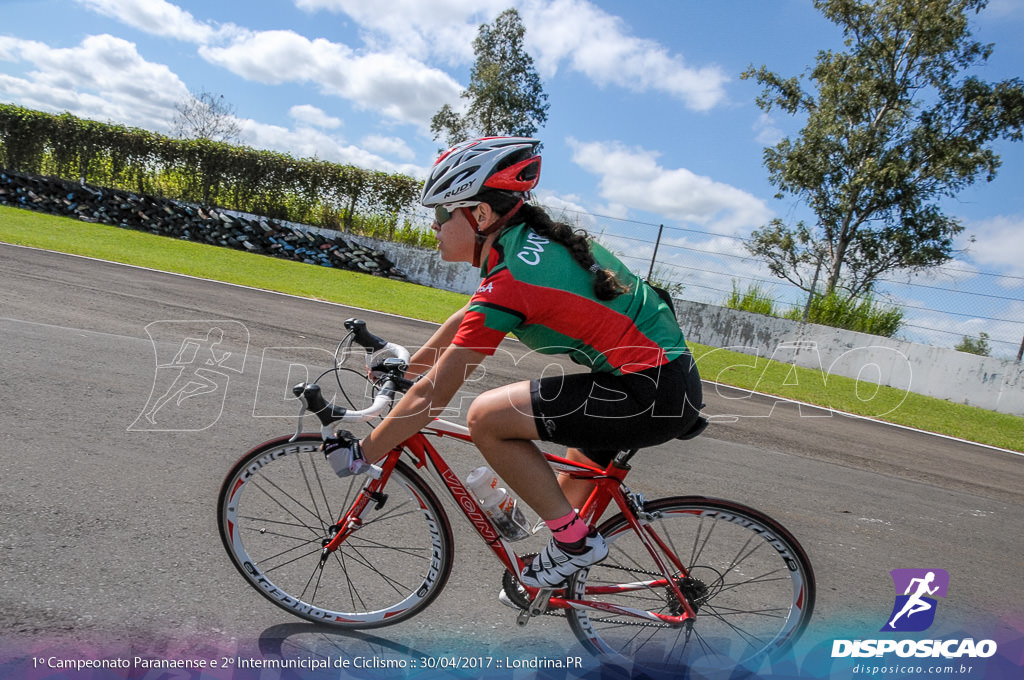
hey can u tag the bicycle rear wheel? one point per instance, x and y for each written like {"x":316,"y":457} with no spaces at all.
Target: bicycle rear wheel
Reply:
{"x":748,"y":579}
{"x":276,"y":511}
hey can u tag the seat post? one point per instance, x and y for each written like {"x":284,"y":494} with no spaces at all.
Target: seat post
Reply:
{"x":622,"y":458}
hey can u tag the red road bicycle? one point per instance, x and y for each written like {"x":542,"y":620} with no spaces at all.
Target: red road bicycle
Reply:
{"x":689,"y":582}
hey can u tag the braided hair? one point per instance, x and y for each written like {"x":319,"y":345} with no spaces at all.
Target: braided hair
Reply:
{"x":607,"y":285}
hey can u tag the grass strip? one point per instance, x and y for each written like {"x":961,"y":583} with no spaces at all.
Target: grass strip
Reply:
{"x":67,"y":235}
{"x":867,"y":399}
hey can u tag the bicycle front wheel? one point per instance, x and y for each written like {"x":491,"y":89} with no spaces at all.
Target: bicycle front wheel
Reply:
{"x":276,"y":511}
{"x":748,"y":579}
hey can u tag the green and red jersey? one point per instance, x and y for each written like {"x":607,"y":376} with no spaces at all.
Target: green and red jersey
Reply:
{"x":534,"y":289}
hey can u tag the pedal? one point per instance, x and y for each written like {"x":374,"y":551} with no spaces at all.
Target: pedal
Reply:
{"x":537,"y":607}
{"x":523,"y":618}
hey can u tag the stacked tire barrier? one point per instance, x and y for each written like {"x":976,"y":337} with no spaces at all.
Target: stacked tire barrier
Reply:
{"x":189,"y":222}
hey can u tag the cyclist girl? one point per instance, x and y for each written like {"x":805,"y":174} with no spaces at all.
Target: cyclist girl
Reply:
{"x":559,"y":293}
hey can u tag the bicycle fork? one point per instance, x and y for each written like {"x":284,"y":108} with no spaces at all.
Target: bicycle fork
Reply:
{"x":352,"y":520}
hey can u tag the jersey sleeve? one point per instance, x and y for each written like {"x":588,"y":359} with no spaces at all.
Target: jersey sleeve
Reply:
{"x":495,"y":310}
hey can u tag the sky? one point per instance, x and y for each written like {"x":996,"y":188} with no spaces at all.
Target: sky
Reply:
{"x":649,"y":123}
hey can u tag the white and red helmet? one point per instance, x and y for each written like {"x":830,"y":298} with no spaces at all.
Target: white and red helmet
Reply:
{"x":509,"y":164}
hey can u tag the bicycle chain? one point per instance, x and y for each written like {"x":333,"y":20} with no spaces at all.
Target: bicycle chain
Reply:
{"x":508,"y":582}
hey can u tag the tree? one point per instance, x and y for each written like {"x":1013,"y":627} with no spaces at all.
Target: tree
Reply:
{"x":893,"y":125}
{"x":505,"y":94}
{"x":205,"y":115}
{"x":980,"y":346}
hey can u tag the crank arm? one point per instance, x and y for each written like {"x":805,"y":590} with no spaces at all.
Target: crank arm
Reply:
{"x":537,"y":607}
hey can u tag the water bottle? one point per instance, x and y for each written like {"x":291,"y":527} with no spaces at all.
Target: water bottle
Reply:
{"x":502,"y":509}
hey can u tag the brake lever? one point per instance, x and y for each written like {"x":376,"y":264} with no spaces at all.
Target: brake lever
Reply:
{"x":298,"y":426}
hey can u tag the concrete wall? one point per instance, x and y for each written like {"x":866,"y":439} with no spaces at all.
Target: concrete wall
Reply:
{"x":994,"y":384}
{"x":426,"y":266}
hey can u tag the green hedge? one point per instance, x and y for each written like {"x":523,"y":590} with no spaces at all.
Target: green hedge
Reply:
{"x":276,"y":185}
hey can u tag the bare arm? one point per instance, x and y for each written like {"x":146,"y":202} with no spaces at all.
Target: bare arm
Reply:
{"x":427,"y":355}
{"x":423,"y":400}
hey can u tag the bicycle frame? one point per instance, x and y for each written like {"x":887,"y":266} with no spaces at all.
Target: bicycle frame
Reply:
{"x":751,"y":583}
{"x":609,"y":488}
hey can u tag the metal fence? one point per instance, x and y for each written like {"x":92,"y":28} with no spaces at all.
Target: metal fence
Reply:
{"x":940,"y":307}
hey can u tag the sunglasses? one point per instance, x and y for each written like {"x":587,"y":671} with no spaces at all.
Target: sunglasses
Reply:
{"x":442,"y":214}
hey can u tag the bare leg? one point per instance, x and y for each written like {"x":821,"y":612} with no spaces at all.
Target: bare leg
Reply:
{"x":502,"y":425}
{"x":576,"y":491}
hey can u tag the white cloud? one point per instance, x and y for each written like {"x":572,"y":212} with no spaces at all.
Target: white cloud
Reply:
{"x":768,"y":133}
{"x":306,"y":142}
{"x":633,"y":177}
{"x":393,"y":84}
{"x":566,"y":208}
{"x":596,"y":44}
{"x":391,"y":146}
{"x":706,"y":266}
{"x":953,"y":272}
{"x":420,"y":29}
{"x":103,"y":78}
{"x":941,"y":330}
{"x":311,"y":115}
{"x":571,"y":33}
{"x":998,"y":246}
{"x":9,"y":48}
{"x":160,"y":18}
{"x":390,"y":81}
{"x":1003,"y":9}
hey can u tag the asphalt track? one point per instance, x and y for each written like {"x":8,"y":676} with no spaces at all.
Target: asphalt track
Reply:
{"x":109,"y":533}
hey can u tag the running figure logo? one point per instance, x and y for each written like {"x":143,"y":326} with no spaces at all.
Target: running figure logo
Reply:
{"x":914,"y":609}
{"x":194,"y":362}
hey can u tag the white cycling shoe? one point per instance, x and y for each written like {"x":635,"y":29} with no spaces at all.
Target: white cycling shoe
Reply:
{"x":553,"y":566}
{"x":506,"y":600}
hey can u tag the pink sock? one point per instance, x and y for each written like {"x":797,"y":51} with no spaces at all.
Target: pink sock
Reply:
{"x":568,"y":529}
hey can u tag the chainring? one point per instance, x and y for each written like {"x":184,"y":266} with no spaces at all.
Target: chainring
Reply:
{"x":514,"y":589}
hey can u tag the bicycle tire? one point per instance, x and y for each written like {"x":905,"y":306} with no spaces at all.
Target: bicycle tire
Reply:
{"x":275,"y":511}
{"x":750,"y":581}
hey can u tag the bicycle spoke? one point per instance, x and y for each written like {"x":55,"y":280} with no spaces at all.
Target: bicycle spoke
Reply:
{"x":707,"y":649}
{"x":317,"y":573}
{"x":289,"y":562}
{"x":323,"y":492}
{"x":266,"y":521}
{"x":309,"y":489}
{"x":353,"y":593}
{"x":304,"y":544}
{"x":367,"y":544}
{"x":622,"y":554}
{"x":698,"y":544}
{"x":744,"y":553}
{"x":756,"y":580}
{"x":276,"y":514}
{"x":743,"y":632}
{"x":391,"y":514}
{"x":294,"y":500}
{"x":397,"y":585}
{"x":264,"y":518}
{"x":732,"y":574}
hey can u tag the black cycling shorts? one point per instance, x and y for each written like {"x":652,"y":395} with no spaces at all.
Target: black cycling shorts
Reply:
{"x":602,"y":413}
